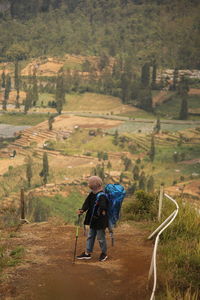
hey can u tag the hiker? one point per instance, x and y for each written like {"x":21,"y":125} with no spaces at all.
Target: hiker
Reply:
{"x":96,"y":218}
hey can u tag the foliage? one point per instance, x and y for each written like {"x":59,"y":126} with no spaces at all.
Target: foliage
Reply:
{"x":141,"y":207}
{"x":45,"y":169}
{"x":29,"y":173}
{"x":179,"y":251}
{"x":44,"y":207}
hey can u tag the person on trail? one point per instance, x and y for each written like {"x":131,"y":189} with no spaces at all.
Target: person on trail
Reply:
{"x":96,"y":217}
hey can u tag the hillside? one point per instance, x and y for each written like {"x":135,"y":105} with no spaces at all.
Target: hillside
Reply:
{"x":56,"y":27}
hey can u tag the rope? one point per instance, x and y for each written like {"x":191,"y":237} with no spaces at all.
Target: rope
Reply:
{"x":153,"y":267}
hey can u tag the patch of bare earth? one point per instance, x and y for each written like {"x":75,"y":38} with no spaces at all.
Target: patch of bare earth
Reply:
{"x":194,"y":92}
{"x":47,"y":271}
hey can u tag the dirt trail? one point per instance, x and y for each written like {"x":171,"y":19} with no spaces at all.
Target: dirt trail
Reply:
{"x":47,"y":272}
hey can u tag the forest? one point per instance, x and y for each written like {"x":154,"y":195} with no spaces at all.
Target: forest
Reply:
{"x":167,"y":32}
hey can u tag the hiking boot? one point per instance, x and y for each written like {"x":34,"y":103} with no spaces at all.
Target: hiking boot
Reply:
{"x":84,"y":256}
{"x":103,"y":257}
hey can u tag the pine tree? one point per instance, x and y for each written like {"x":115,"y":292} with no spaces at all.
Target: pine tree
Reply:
{"x":184,"y":109}
{"x":29,"y":173}
{"x":35,"y":96}
{"x":142,"y":182}
{"x":6,"y":91}
{"x":116,"y":138}
{"x":60,"y":93}
{"x":126,"y":88}
{"x":17,"y":104}
{"x":183,"y":90}
{"x":50,"y":122}
{"x":28,"y":100}
{"x":45,"y":170}
{"x":145,"y":75}
{"x":145,"y":98}
{"x":157,"y":126}
{"x":136,"y":172}
{"x":3,"y":79}
{"x":175,"y":79}
{"x":109,"y":166}
{"x":16,"y":74}
{"x":17,"y":83}
{"x":127,"y":163}
{"x":150,"y":184}
{"x":152,"y":149}
{"x":154,"y":75}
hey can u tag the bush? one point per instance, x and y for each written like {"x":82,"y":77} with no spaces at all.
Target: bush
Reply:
{"x":142,"y":207}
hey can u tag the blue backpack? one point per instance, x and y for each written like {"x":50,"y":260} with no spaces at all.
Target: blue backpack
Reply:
{"x":115,"y":194}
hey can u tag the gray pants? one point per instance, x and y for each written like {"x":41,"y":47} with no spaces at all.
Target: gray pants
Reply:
{"x":101,"y":237}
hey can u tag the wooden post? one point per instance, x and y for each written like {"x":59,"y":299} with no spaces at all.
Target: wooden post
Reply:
{"x":22,"y":204}
{"x":160,"y":202}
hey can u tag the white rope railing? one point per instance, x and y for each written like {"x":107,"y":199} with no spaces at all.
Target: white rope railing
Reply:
{"x":166,"y":223}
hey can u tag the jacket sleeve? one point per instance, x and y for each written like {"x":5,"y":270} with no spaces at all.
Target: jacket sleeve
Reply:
{"x":86,"y":205}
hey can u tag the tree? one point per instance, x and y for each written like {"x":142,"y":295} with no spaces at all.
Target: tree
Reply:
{"x":28,"y":100}
{"x":29,"y":173}
{"x":127,"y":163}
{"x":116,"y":138}
{"x":45,"y":170}
{"x":126,"y":88}
{"x":150,"y":184}
{"x":103,"y":61}
{"x":109,"y":166}
{"x":7,"y":91}
{"x":17,"y":83}
{"x":145,"y":99}
{"x":60,"y":93}
{"x":152,"y":149}
{"x":3,"y":79}
{"x":183,"y":115}
{"x":17,"y":52}
{"x":157,"y":126}
{"x":136,"y":172}
{"x":145,"y":75}
{"x":175,"y":79}
{"x":50,"y":122}
{"x":105,"y":156}
{"x":142,"y":182}
{"x":154,"y":75}
{"x":35,"y":96}
{"x":45,"y":5}
{"x":183,"y":89}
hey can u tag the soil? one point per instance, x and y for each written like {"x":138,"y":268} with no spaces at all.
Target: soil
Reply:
{"x":194,"y":92}
{"x":48,"y":272}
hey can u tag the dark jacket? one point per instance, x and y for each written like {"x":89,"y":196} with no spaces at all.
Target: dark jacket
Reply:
{"x":94,"y":216}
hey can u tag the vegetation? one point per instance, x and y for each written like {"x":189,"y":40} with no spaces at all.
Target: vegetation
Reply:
{"x":21,"y":119}
{"x":43,"y":207}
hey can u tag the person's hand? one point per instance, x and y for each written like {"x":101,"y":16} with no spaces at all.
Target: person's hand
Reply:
{"x":103,"y":212}
{"x":80,"y":212}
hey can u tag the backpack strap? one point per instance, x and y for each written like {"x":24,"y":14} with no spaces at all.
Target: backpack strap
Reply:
{"x":95,"y":204}
{"x":98,"y":196}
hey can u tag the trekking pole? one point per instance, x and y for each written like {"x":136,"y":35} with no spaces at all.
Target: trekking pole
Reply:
{"x":76,"y":240}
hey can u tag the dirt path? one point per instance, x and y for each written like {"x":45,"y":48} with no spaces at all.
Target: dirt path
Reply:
{"x":47,"y":272}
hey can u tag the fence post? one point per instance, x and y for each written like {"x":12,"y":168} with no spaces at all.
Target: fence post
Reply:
{"x":22,"y":207}
{"x":160,"y":202}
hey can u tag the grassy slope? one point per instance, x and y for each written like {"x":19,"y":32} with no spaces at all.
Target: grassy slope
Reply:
{"x":22,"y":119}
{"x":171,"y":108}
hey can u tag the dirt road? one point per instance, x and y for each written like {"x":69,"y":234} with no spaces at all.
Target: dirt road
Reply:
{"x":47,"y":272}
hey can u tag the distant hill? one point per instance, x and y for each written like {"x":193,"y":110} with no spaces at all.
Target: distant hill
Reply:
{"x":140,"y":29}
